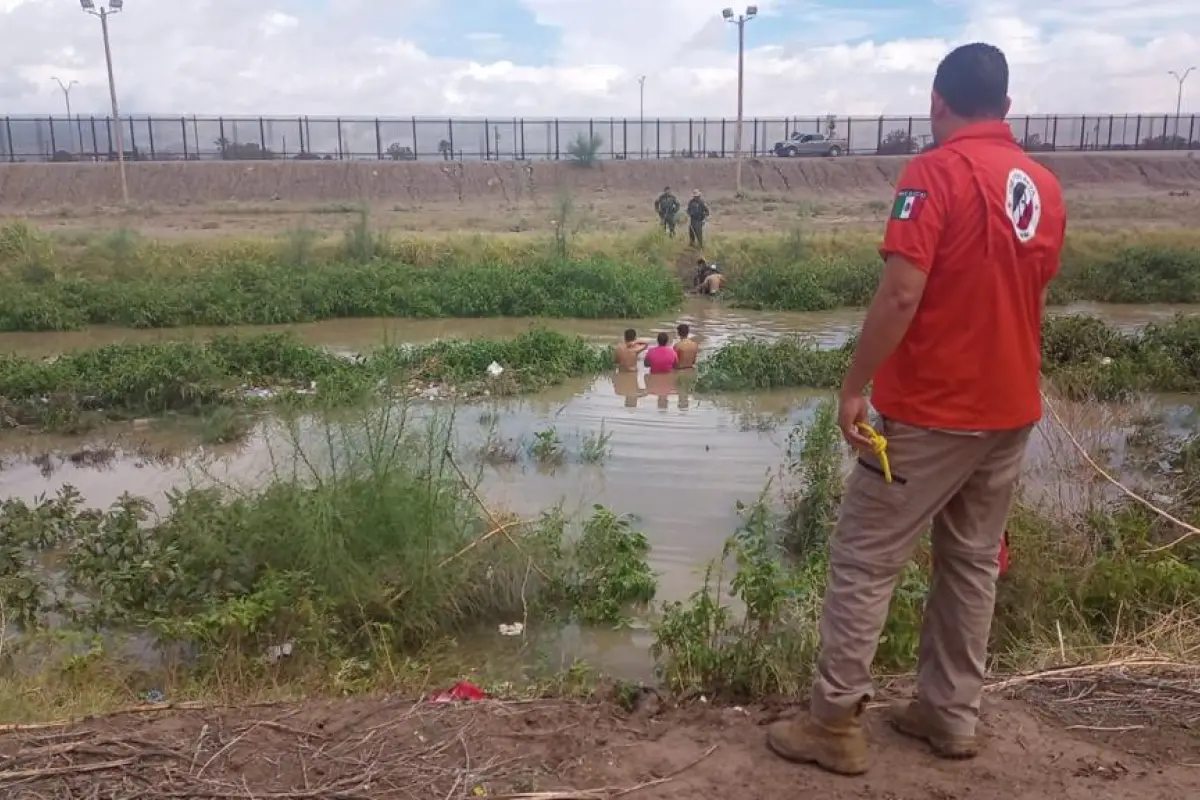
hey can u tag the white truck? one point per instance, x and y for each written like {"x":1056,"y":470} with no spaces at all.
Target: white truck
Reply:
{"x":810,"y":144}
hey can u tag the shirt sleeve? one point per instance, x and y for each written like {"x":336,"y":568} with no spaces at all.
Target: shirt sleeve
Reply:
{"x":918,"y":214}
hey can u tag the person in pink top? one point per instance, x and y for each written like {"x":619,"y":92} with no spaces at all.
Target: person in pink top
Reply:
{"x":663,"y":358}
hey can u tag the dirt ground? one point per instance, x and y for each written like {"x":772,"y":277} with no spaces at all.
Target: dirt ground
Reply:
{"x":560,"y":750}
{"x":1129,"y":191}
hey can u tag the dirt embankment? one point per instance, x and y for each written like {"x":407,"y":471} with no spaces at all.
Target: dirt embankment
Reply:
{"x":391,"y":748}
{"x":28,"y":187}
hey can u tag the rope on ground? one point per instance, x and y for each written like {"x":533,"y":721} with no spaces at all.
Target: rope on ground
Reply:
{"x":1190,"y":530}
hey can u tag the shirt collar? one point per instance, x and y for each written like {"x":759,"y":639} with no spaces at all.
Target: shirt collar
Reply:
{"x":997,"y":129}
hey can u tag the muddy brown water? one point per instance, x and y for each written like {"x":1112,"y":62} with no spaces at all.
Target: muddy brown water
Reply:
{"x":678,"y":461}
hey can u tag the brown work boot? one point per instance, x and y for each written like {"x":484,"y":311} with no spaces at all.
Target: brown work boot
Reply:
{"x":837,"y":747}
{"x":910,"y":718}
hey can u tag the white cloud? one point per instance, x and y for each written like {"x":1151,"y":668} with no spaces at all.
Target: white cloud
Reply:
{"x":362,"y":58}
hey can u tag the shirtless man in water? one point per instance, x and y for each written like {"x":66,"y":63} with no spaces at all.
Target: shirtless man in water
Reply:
{"x":626,"y":353}
{"x":686,"y":348}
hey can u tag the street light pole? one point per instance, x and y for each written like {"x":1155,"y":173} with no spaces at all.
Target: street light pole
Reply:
{"x":66,"y":90}
{"x":740,"y":20}
{"x":642,"y":115}
{"x":114,"y":7}
{"x":1179,"y":96}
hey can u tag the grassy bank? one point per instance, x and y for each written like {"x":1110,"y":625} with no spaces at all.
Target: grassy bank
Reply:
{"x":1087,"y":583}
{"x":120,"y":281}
{"x":1082,"y":356}
{"x":120,"y":278}
{"x":123,"y":380}
{"x":371,"y":551}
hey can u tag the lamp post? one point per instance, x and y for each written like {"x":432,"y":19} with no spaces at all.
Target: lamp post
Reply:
{"x":103,"y":13}
{"x":1179,"y":97}
{"x":66,"y":90}
{"x":740,"y":20}
{"x":642,"y":115}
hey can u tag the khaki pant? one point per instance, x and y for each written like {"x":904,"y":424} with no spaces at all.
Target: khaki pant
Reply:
{"x":965,"y":482}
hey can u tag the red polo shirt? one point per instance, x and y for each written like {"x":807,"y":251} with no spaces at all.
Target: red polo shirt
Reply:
{"x":985,"y":223}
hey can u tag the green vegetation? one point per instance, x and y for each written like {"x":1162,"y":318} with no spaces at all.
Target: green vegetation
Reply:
{"x":751,"y":364}
{"x":135,"y":287}
{"x":1084,"y":581}
{"x":122,"y":380}
{"x":120,"y":278}
{"x":1084,"y":357}
{"x":801,"y":272}
{"x":370,"y":550}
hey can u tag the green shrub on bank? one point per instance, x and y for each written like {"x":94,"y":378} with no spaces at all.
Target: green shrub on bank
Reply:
{"x":1131,"y":274}
{"x":143,"y":379}
{"x":375,"y":547}
{"x":753,"y":364}
{"x":254,"y":293}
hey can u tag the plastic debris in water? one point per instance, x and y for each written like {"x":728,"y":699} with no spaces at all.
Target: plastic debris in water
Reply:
{"x":494,"y":369}
{"x":516,"y":629}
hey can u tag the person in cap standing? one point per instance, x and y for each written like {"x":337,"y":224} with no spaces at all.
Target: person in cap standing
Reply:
{"x":697,"y":212}
{"x":951,"y":347}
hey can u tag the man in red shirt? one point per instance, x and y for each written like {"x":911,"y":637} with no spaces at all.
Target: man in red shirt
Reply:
{"x":951,"y":346}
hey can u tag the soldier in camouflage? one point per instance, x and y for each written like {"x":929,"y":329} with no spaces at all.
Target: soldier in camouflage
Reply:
{"x":667,"y":207}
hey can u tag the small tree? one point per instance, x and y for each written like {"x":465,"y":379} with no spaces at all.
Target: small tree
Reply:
{"x":1034,"y":144}
{"x":400,"y":152}
{"x":831,"y":126}
{"x":897,"y":142}
{"x":242,"y":151}
{"x":584,"y":150}
{"x":446,"y":149}
{"x":1165,"y":142}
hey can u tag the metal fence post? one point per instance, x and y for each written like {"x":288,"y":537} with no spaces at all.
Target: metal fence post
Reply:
{"x":222,"y":143}
{"x":132,"y":139}
{"x":1110,"y":129}
{"x":183,"y":132}
{"x":487,"y":140}
{"x":12,"y":150}
{"x":723,"y":137}
{"x":522,"y":135}
{"x":691,"y":148}
{"x":625,"y":138}
{"x":1083,"y":132}
{"x":450,"y":135}
{"x":109,"y":129}
{"x":414,"y":135}
{"x":1054,"y":134}
{"x":658,"y":137}
{"x":1191,"y":143}
{"x":341,"y":142}
{"x":150,"y":135}
{"x":879,"y":136}
{"x":557,"y":141}
{"x":1137,"y":134}
{"x":849,"y":139}
{"x":53,"y":143}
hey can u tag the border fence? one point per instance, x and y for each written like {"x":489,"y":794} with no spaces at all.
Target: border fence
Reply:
{"x":195,"y":138}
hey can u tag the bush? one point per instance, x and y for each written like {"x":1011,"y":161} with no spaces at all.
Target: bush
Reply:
{"x":754,"y":364}
{"x":376,"y":544}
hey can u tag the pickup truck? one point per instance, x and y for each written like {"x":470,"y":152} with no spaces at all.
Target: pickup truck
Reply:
{"x":810,"y":144}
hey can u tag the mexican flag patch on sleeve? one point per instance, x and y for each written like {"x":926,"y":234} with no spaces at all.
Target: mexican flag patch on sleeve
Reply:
{"x":908,"y":204}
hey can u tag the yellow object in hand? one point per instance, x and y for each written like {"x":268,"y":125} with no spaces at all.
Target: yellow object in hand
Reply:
{"x":878,"y":448}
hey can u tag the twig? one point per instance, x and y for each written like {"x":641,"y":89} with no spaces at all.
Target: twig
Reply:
{"x":607,"y":794}
{"x":668,"y":777}
{"x":1190,"y":530}
{"x":150,"y":708}
{"x":482,"y":539}
{"x":1119,"y":729}
{"x":7,"y":776}
{"x":1081,"y":669}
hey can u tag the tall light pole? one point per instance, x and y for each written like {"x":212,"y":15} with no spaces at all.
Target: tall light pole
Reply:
{"x":66,"y":90}
{"x":1179,"y":96}
{"x":642,"y":115}
{"x":740,"y":20}
{"x":104,"y":12}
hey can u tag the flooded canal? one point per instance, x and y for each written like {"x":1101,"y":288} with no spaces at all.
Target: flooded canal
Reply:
{"x":677,"y":460}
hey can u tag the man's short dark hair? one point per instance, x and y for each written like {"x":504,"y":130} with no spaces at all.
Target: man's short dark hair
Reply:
{"x":630,"y":334}
{"x":973,"y":80}
{"x":663,"y":338}
{"x":683,"y":330}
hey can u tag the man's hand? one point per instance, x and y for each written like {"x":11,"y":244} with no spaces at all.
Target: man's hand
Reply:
{"x":852,"y":409}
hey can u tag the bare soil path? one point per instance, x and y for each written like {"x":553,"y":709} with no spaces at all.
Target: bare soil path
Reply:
{"x":558,"y":750}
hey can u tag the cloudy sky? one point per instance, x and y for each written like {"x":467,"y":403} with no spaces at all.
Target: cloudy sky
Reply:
{"x":584,"y":57}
